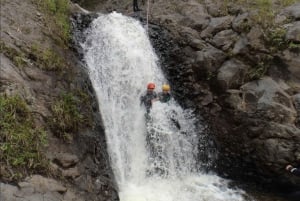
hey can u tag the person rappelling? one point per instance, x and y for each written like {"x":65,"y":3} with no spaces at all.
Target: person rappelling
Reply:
{"x":165,"y":95}
{"x":136,"y":6}
{"x":148,"y":97}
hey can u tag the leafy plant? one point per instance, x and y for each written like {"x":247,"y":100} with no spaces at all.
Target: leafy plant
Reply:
{"x":260,"y":68}
{"x":275,"y":39}
{"x":294,"y":46}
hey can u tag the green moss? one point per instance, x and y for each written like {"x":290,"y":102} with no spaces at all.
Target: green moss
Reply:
{"x":21,"y":141}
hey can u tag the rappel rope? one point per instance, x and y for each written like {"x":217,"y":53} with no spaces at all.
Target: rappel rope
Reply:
{"x":148,"y":8}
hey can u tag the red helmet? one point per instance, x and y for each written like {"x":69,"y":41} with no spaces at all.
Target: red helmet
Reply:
{"x":151,"y":86}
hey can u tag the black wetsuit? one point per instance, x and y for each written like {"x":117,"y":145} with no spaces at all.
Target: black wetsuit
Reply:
{"x":135,"y":6}
{"x":164,"y":97}
{"x":147,"y":98}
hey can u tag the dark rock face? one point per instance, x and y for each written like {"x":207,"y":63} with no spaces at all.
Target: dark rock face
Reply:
{"x":224,"y":67}
{"x":211,"y":69}
{"x":97,"y":178}
{"x":80,"y":22}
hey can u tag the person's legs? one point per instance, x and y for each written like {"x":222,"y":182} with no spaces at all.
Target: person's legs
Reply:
{"x":135,"y":6}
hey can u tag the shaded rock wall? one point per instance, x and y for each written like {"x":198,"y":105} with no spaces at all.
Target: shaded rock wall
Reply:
{"x":239,"y":74}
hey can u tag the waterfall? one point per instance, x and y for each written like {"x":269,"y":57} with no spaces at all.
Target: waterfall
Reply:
{"x":153,"y":158}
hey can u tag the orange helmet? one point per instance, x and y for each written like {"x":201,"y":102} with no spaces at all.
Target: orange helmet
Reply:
{"x":151,"y":86}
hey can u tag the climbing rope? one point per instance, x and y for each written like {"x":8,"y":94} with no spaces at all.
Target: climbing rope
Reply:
{"x":148,"y":7}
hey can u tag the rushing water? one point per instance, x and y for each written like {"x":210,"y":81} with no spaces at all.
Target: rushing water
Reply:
{"x":153,"y":159}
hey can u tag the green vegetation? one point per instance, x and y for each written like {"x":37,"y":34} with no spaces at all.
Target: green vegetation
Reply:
{"x":258,"y":71}
{"x":262,"y":14}
{"x":68,"y":115}
{"x":21,"y":141}
{"x":294,"y":47}
{"x":265,"y":9}
{"x":48,"y":59}
{"x":18,"y":58}
{"x":275,"y":39}
{"x":265,"y":12}
{"x":45,"y":59}
{"x":284,"y":3}
{"x":57,"y":17}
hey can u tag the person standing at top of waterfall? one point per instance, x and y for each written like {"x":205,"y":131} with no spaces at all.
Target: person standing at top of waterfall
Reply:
{"x":165,"y":95}
{"x":148,"y":97}
{"x":135,"y":6}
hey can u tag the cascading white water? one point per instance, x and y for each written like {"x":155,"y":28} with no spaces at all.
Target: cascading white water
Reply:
{"x":152,"y":159}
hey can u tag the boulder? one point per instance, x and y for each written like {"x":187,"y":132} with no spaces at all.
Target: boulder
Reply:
{"x":242,"y":23}
{"x":232,"y":74}
{"x":293,"y":32}
{"x":210,"y":58}
{"x":225,"y":39}
{"x":292,"y":60}
{"x":66,"y":160}
{"x":266,"y":97}
{"x":216,"y":25}
{"x":292,"y":11}
{"x":36,"y":189}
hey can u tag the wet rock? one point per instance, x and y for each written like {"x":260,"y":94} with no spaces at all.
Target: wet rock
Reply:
{"x":208,"y":98}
